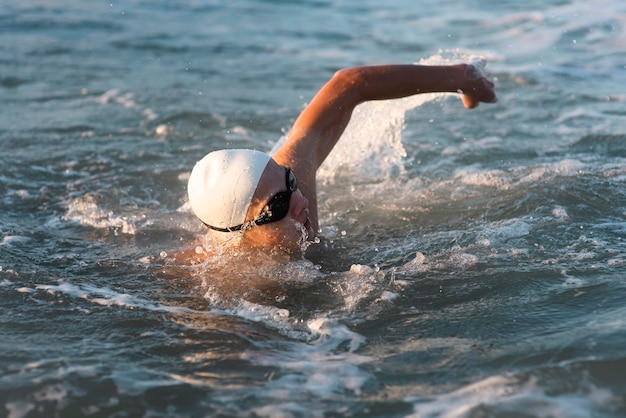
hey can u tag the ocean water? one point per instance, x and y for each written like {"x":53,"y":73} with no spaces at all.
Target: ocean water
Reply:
{"x":472,"y":263}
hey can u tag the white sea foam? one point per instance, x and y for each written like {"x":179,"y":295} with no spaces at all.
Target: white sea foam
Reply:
{"x":506,"y":230}
{"x":128,"y":101}
{"x":319,"y":360}
{"x":273,"y":317}
{"x":104,"y":296}
{"x":86,"y":211}
{"x":490,"y":178}
{"x":507,"y":394}
{"x":371,"y":147}
{"x":560,"y":213}
{"x":19,"y":409}
{"x":561,"y":168}
{"x":416,"y":264}
{"x":13,"y":239}
{"x":319,"y":368}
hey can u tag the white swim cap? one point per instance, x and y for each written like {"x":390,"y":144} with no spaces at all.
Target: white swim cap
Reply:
{"x":221,"y":186}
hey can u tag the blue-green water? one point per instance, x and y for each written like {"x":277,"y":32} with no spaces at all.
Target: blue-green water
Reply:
{"x":472,"y":262}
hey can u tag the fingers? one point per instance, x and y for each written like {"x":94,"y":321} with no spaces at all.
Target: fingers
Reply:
{"x":482,"y":89}
{"x":491,"y":94}
{"x":483,"y":93}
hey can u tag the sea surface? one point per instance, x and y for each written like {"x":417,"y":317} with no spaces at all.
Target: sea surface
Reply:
{"x":472,"y":263}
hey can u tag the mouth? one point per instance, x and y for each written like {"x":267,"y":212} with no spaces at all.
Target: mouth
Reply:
{"x":307,"y":234}
{"x":308,"y":226}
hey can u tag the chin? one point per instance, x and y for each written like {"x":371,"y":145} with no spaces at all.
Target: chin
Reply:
{"x":290,"y":237}
{"x":297,"y":238}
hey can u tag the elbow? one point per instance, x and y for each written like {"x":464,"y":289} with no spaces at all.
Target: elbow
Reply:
{"x":349,"y":82}
{"x":350,"y":76}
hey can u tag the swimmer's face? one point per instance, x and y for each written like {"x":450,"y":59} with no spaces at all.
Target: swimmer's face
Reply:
{"x":288,"y":233}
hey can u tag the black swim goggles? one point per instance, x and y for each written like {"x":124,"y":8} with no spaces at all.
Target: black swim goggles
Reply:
{"x":275,"y":209}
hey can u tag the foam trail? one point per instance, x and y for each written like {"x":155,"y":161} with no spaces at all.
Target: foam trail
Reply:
{"x":505,"y":394}
{"x":320,"y":368}
{"x":106,"y":297}
{"x":87,"y":211}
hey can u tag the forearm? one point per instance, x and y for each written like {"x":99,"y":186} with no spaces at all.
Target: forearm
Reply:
{"x":395,"y":81}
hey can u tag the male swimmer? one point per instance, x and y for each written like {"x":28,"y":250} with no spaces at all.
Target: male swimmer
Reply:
{"x":250,"y":199}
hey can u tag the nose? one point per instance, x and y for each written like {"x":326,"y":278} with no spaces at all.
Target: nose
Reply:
{"x":298,"y":203}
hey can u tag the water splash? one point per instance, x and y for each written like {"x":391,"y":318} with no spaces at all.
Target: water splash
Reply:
{"x":371,"y":147}
{"x":86,"y":211}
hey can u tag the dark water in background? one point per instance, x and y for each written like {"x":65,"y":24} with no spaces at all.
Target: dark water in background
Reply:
{"x":480,"y":275}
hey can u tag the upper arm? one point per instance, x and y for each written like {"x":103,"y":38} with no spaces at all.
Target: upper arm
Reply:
{"x":316,"y":131}
{"x":320,"y":125}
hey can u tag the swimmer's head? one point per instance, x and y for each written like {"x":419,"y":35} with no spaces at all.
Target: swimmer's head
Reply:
{"x":222,"y":185}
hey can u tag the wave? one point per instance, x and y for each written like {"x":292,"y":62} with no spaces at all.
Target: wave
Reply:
{"x":557,"y":392}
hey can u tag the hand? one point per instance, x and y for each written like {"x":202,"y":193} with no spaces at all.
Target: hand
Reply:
{"x":478,"y":88}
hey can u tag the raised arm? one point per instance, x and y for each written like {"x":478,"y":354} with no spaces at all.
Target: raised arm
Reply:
{"x":319,"y":127}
